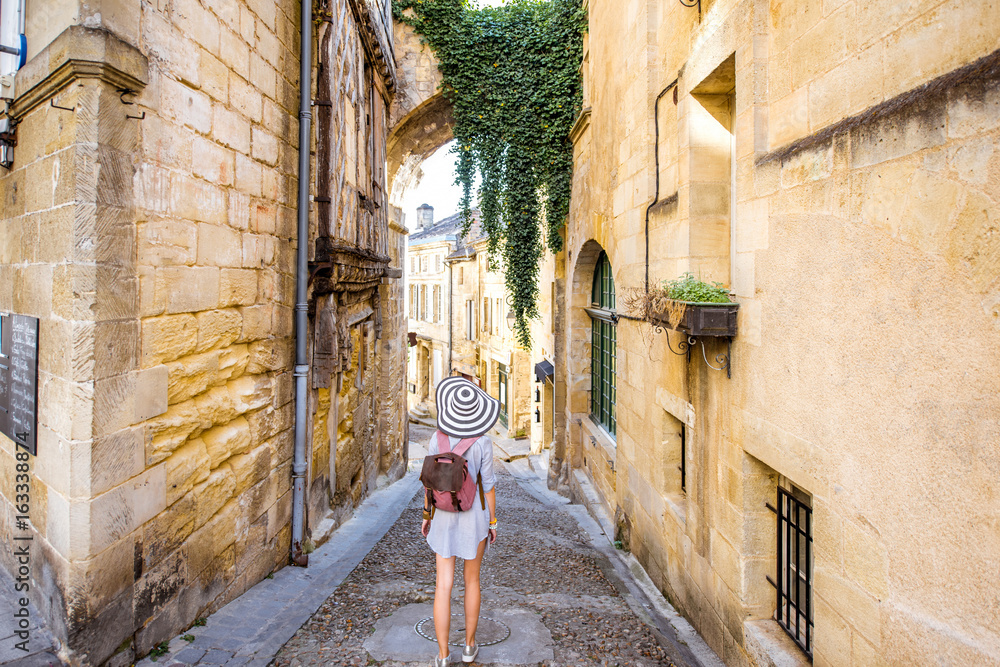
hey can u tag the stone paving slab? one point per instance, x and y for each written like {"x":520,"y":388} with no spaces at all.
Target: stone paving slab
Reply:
{"x":251,"y":629}
{"x":395,"y":639}
{"x":509,"y":449}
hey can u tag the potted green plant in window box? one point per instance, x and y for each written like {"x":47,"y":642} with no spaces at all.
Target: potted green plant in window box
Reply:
{"x":694,"y":307}
{"x":688,"y":305}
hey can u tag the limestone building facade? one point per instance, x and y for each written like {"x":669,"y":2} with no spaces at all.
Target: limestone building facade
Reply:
{"x":836,"y":165}
{"x":458,"y":319}
{"x":430,"y":286}
{"x":149,"y":223}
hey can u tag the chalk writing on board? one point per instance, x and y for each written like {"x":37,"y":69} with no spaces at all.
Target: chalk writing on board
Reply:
{"x":19,"y":379}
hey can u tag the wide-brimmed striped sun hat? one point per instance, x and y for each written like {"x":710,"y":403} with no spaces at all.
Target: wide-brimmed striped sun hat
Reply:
{"x":464,"y":410}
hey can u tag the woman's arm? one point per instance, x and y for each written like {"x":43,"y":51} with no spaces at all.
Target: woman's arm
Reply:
{"x":491,"y":502}
{"x":425,"y":523}
{"x":489,"y":480}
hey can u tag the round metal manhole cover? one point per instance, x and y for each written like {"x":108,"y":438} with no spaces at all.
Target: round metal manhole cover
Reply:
{"x":489,"y":632}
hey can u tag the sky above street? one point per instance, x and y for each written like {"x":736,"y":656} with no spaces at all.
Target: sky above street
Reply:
{"x":436,"y":188}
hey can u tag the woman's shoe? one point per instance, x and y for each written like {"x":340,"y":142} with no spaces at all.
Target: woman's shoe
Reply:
{"x":442,"y":662}
{"x":469,"y":653}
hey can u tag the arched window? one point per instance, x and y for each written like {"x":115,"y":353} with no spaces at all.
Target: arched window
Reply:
{"x":603,"y":344}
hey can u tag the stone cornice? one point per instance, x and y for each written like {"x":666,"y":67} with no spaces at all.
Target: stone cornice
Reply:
{"x":79,"y":53}
{"x":581,"y":124}
{"x":981,"y":73}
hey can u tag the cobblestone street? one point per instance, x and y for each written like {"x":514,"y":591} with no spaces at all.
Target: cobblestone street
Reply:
{"x":542,"y":562}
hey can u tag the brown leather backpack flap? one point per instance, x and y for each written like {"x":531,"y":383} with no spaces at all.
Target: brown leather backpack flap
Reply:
{"x":443,"y":472}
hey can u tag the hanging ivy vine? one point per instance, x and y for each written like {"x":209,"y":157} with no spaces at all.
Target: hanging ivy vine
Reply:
{"x":512,"y":74}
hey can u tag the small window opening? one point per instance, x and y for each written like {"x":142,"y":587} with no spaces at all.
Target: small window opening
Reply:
{"x":793,"y":600}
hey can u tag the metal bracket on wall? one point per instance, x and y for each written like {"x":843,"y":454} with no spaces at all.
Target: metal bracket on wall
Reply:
{"x":129,"y":91}
{"x":684,"y":348}
{"x":722,"y":359}
{"x":8,"y":139}
{"x":594,"y":443}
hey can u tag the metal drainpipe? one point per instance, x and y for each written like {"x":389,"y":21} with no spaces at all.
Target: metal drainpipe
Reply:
{"x":301,"y":287}
{"x":656,"y":158}
{"x":450,"y":323}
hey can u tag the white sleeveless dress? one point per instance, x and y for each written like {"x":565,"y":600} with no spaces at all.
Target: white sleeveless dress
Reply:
{"x":459,"y":533}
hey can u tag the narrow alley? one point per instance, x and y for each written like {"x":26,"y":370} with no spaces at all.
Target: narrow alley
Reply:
{"x":720,"y":278}
{"x":555,"y":593}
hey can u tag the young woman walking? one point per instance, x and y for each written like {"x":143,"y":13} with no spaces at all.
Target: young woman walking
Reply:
{"x":464,"y":412}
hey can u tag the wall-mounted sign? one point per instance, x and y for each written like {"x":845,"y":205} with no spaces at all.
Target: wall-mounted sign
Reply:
{"x":19,"y":380}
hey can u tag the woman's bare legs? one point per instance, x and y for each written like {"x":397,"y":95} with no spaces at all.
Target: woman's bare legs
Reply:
{"x":442,"y":602}
{"x":472,"y":596}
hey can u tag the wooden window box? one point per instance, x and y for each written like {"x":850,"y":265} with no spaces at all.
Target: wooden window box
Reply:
{"x":697,"y":319}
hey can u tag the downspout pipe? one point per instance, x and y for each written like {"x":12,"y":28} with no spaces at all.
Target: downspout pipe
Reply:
{"x":450,"y":318}
{"x":656,"y":160}
{"x":301,"y":287}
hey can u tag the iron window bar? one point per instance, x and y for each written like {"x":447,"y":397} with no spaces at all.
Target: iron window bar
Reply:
{"x":603,"y":346}
{"x":794,"y":608}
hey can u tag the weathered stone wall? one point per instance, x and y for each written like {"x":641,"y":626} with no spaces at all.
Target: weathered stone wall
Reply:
{"x":166,"y":475}
{"x":67,"y":209}
{"x":390,"y":391}
{"x":864,"y":209}
{"x":357,"y":330}
{"x":420,"y":117}
{"x":159,"y":254}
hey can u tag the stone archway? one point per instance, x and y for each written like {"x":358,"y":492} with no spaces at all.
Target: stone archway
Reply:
{"x":420,"y":119}
{"x":578,"y":338}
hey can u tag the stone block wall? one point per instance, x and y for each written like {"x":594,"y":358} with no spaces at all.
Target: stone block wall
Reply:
{"x":391,"y":392}
{"x":857,"y":190}
{"x":215,"y":223}
{"x":153,"y":233}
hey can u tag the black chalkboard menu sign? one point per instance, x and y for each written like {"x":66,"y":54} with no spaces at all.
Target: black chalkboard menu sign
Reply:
{"x":19,"y":380}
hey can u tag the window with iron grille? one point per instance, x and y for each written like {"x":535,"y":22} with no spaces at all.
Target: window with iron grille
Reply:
{"x":603,"y":346}
{"x":794,"y":604}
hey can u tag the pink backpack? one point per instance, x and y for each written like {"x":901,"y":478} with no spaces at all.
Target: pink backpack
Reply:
{"x":446,"y":479}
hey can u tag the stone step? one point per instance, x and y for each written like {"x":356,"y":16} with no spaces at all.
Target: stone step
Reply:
{"x":423,"y":421}
{"x":509,"y":449}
